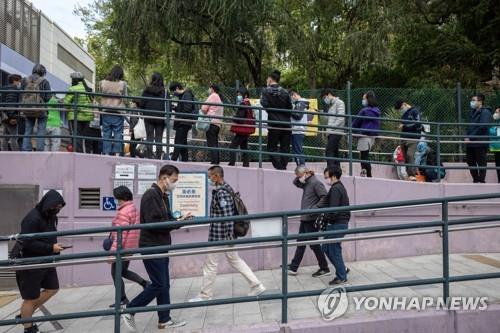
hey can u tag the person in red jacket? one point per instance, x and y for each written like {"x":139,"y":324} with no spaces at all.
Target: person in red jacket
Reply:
{"x":243,"y":127}
{"x":127,"y":215}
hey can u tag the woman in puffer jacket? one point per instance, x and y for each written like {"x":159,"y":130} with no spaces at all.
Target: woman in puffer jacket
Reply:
{"x":127,"y":215}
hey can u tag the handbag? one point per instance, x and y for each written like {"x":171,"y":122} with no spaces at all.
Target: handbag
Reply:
{"x":140,"y":130}
{"x":107,"y":243}
{"x":203,"y":122}
{"x":320,"y":223}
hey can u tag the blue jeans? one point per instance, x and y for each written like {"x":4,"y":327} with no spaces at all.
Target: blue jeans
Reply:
{"x":159,"y":288}
{"x":297,"y":148}
{"x":334,"y":251}
{"x":112,"y":127}
{"x":30,"y":125}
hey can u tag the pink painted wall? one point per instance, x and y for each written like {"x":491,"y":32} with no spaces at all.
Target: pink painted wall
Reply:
{"x":264,"y":190}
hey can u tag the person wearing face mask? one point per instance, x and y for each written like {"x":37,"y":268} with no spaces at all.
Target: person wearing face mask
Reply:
{"x":222,"y":205}
{"x":276,"y":97}
{"x":185,"y":115}
{"x":126,"y":215}
{"x":243,"y":127}
{"x":368,"y":129}
{"x":215,"y":123}
{"x":299,"y":126}
{"x":312,"y":192}
{"x":42,"y":218}
{"x":9,"y":118}
{"x":411,"y":128}
{"x":337,"y":197}
{"x":476,"y":152}
{"x":155,"y":208}
{"x":335,"y":109}
{"x":495,"y":140}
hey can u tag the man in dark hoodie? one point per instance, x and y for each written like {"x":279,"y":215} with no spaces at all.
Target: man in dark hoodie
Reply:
{"x":411,"y":128}
{"x":42,"y":218}
{"x":476,"y":153}
{"x":276,"y":97}
{"x":10,"y":117}
{"x":184,"y":117}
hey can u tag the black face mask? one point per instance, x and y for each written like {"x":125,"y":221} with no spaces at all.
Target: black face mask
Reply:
{"x":53,"y":211}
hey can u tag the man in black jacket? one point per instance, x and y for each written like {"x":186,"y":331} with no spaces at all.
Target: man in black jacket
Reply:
{"x":336,"y":197}
{"x":155,"y":208}
{"x":276,"y":97}
{"x":10,"y":117}
{"x":42,"y":218}
{"x":477,"y":153}
{"x":184,"y":117}
{"x":411,"y":128}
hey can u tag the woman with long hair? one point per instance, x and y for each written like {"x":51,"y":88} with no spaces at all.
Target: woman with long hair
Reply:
{"x":215,"y":123}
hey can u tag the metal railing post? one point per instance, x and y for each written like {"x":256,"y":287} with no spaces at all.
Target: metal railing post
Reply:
{"x":167,"y":109}
{"x":349,"y":126}
{"x":75,"y":120}
{"x":284,"y":269}
{"x":260,"y":137}
{"x":118,"y":279}
{"x":446,"y":257}
{"x":459,"y":113}
{"x":438,"y":152}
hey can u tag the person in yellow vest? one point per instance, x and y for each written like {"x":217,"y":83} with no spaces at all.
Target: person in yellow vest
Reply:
{"x":84,"y":115}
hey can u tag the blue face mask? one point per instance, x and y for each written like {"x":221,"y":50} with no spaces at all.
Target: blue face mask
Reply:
{"x":364,"y":102}
{"x":473,"y":105}
{"x":326,"y":100}
{"x":211,"y":182}
{"x":239,"y":99}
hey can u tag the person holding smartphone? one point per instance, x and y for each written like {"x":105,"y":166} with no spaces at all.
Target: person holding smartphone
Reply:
{"x":37,"y":286}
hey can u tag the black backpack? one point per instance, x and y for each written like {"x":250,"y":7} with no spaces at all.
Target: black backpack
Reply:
{"x":240,"y":227}
{"x":431,"y":174}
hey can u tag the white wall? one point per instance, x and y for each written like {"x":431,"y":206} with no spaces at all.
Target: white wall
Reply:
{"x":50,"y":36}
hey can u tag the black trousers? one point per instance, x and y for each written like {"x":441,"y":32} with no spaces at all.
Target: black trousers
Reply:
{"x":365,"y":156}
{"x":129,"y":275}
{"x":239,"y":141}
{"x":154,"y":133}
{"x":282,"y":138}
{"x":82,"y":128}
{"x":181,"y":134}
{"x":477,"y":157}
{"x":306,"y":227}
{"x":213,"y":141}
{"x":497,"y":164}
{"x":94,"y":146}
{"x":332,"y":149}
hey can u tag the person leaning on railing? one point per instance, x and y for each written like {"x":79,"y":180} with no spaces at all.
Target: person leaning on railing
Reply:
{"x":495,"y":138}
{"x":9,"y":118}
{"x":476,"y":153}
{"x":84,"y":115}
{"x":368,"y":128}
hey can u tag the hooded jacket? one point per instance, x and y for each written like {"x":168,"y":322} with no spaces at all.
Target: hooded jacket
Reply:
{"x":185,"y":110}
{"x":411,"y":123}
{"x":477,"y":119}
{"x":13,"y":96}
{"x":334,"y":109}
{"x":155,"y":105}
{"x":367,"y":126}
{"x":38,"y":220}
{"x":276,"y":97}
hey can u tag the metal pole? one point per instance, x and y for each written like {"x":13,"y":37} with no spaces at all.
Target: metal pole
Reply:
{"x":284,"y":269}
{"x":438,"y":152}
{"x":446,"y":258}
{"x":75,"y":120}
{"x":349,"y":126}
{"x":167,"y":108}
{"x":237,"y":86}
{"x":459,"y":112}
{"x":118,"y":280}
{"x":260,"y":137}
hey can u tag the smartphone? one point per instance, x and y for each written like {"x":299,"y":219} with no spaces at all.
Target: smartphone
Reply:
{"x":66,"y":247}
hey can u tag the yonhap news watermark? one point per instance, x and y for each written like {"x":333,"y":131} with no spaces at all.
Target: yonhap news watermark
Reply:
{"x":334,"y":302}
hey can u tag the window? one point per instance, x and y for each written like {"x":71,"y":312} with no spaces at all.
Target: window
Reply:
{"x":72,"y":62}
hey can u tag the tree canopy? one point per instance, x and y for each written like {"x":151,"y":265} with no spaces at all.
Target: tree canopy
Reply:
{"x":316,"y":43}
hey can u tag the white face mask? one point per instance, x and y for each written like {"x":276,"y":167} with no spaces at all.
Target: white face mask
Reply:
{"x":329,"y":181}
{"x":170,"y":186}
{"x":496,"y":116}
{"x":302,"y":179}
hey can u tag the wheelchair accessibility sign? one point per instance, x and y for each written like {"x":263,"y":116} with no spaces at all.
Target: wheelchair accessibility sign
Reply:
{"x":108,"y":203}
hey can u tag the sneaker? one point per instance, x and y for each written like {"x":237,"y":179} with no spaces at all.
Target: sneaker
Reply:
{"x":122,"y":303}
{"x":257,"y":290}
{"x":129,"y":322}
{"x":171,"y":324}
{"x":148,"y":284}
{"x":321,"y":272}
{"x":412,"y":179}
{"x":199,"y":298}
{"x":290,"y":271}
{"x":32,"y":329}
{"x":363,"y":173}
{"x":337,"y":281}
{"x":347,"y":270}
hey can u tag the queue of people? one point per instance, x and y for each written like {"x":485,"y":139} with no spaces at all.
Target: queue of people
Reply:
{"x":99,"y":127}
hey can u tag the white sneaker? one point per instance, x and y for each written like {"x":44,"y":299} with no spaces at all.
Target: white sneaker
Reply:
{"x":129,"y":321}
{"x":171,"y":324}
{"x":200,"y":298}
{"x":257,"y":290}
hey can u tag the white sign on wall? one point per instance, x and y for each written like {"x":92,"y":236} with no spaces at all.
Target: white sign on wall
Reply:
{"x":124,"y":171}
